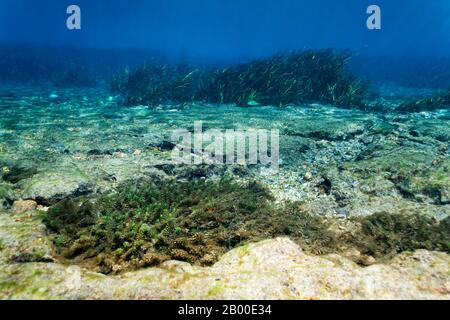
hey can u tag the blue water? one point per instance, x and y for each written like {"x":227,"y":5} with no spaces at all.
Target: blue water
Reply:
{"x":412,"y":47}
{"x":233,"y":29}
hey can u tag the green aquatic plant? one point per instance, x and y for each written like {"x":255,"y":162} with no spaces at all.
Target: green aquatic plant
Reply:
{"x":153,"y":83}
{"x":285,"y":78}
{"x":438,"y":101}
{"x":383,"y":234}
{"x":64,"y":66}
{"x":4,"y":190}
{"x":197,"y":221}
{"x":60,"y":241}
{"x":6,"y":194}
{"x":149,"y":224}
{"x":312,"y":232}
{"x":194,"y":221}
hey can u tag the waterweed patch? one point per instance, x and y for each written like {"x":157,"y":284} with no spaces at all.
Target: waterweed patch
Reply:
{"x":383,"y":235}
{"x":197,"y":221}
{"x":138,"y":226}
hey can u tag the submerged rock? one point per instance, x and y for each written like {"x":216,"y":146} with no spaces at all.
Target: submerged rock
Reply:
{"x":21,"y":206}
{"x":50,"y":187}
{"x":308,"y":176}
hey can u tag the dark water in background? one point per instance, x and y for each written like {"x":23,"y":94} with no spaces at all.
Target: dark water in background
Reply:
{"x":233,"y":29}
{"x":413,"y":46}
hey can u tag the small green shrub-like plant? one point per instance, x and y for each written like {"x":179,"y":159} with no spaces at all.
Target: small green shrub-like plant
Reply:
{"x":191,"y":221}
{"x":383,"y":234}
{"x":198,"y":221}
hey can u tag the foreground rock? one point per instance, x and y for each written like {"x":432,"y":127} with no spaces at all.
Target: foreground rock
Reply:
{"x":271,"y":269}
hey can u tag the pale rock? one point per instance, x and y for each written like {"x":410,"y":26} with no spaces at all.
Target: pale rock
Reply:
{"x":308,"y":176}
{"x":21,"y":206}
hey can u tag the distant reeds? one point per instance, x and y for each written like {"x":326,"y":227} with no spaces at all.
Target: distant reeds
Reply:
{"x":154,"y":83}
{"x":438,"y":101}
{"x":286,"y":78}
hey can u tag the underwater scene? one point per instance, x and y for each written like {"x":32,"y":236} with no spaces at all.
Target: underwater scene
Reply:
{"x":170,"y":149}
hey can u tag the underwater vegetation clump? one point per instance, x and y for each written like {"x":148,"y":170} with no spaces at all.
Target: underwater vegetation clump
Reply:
{"x":384,"y":234}
{"x":285,"y":78}
{"x":438,"y":101}
{"x":15,"y":171}
{"x":158,"y":83}
{"x":192,"y":221}
{"x":198,"y":221}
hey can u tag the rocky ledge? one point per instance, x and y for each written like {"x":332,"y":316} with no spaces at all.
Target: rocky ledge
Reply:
{"x":271,"y":269}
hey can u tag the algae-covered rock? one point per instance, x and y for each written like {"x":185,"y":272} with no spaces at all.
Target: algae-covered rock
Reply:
{"x":53,"y":186}
{"x":403,"y":173}
{"x":23,"y":238}
{"x":435,"y":183}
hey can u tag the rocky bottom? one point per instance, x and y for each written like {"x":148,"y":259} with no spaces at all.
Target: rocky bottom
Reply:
{"x":92,"y":206}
